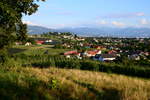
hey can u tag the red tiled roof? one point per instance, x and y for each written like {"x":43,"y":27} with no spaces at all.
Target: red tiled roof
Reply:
{"x":39,"y":42}
{"x":71,"y":52}
{"x":112,"y":51}
{"x":93,"y":52}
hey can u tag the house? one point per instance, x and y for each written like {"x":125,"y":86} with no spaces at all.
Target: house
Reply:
{"x":48,"y":41}
{"x":112,"y":52}
{"x":105,"y":57}
{"x":51,"y":42}
{"x":68,"y":54}
{"x":80,"y":44}
{"x":145,"y":53}
{"x":18,"y":43}
{"x":86,"y":45}
{"x":68,"y":37}
{"x":134,"y":57}
{"x":80,"y":39}
{"x":95,"y":40}
{"x":66,"y":45}
{"x":28,"y":44}
{"x":97,"y":47}
{"x":92,"y":53}
{"x":39,"y":42}
{"x":55,"y":42}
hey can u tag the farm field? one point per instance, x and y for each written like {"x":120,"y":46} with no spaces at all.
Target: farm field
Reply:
{"x":36,"y":50}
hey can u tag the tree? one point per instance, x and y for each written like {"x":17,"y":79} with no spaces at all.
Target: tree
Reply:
{"x":11,"y":25}
{"x":21,"y":34}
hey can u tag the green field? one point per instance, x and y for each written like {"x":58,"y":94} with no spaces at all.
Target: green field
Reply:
{"x":36,"y":50}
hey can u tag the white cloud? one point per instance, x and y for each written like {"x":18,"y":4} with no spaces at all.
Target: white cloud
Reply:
{"x":110,"y":23}
{"x":34,"y":24}
{"x":118,"y":24}
{"x":144,"y":21}
{"x":29,"y":23}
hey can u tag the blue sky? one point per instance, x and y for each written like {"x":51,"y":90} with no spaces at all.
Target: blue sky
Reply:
{"x":91,"y":13}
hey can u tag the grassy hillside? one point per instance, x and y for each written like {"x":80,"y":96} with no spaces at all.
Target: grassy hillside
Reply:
{"x":27,"y":83}
{"x":49,"y":83}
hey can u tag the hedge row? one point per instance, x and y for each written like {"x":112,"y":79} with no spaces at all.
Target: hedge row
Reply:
{"x":47,"y":61}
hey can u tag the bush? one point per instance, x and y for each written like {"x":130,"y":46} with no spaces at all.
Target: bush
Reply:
{"x":126,"y":70}
{"x":3,"y":56}
{"x":89,"y":65}
{"x":53,"y":83}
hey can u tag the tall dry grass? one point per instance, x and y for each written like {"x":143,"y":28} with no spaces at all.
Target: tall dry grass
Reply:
{"x":86,"y":85}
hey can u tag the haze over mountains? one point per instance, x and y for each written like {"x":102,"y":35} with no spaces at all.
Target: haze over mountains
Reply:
{"x":129,"y":32}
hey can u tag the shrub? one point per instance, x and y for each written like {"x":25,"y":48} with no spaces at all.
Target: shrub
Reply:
{"x":89,"y":65}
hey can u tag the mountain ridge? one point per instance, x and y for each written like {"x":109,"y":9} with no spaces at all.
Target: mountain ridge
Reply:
{"x":95,"y":32}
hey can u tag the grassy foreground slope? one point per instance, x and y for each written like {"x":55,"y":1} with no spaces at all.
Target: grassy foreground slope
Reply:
{"x":68,"y":84}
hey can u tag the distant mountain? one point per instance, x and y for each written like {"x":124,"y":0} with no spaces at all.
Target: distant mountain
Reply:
{"x":110,"y":32}
{"x":37,"y":29}
{"x":96,"y":32}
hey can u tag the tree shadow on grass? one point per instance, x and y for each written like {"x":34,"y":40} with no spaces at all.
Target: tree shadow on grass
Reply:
{"x":10,"y":90}
{"x":103,"y":94}
{"x":15,"y":50}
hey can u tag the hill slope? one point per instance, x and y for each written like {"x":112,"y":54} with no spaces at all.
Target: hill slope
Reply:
{"x":67,"y":84}
{"x":37,"y":29}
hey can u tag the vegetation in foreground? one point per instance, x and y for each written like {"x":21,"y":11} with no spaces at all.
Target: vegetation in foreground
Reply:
{"x":27,"y":83}
{"x":35,"y":56}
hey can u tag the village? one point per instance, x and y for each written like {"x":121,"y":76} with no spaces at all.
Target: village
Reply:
{"x":102,"y":49}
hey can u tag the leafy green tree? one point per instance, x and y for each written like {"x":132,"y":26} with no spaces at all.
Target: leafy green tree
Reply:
{"x":11,"y":25}
{"x":21,"y":35}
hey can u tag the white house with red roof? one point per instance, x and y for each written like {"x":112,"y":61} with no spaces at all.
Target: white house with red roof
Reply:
{"x":92,"y":53}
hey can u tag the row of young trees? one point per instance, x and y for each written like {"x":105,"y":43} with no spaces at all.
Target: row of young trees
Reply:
{"x":11,"y":25}
{"x":44,"y":61}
